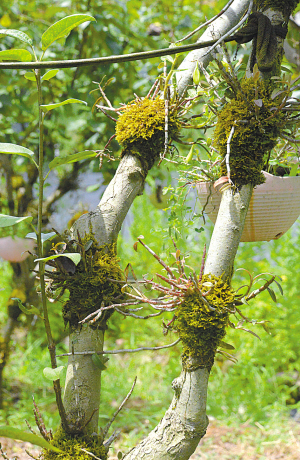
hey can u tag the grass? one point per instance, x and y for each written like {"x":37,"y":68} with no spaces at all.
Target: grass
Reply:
{"x":252,"y":393}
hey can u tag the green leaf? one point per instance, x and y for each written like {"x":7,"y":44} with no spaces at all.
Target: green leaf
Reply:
{"x":50,"y":74}
{"x":190,"y":155}
{"x":58,"y":161}
{"x":44,"y":236}
{"x":46,"y":108}
{"x":8,"y":221}
{"x":53,"y":374}
{"x":93,"y":188}
{"x":62,"y":28}
{"x":74,"y":256}
{"x":15,"y":433}
{"x":99,"y":362}
{"x":279,"y":287}
{"x":168,"y":58}
{"x":17,"y":34}
{"x":30,"y":76}
{"x":28,"y":311}
{"x":15,"y":149}
{"x":15,"y":55}
{"x":272,"y":294}
{"x":226,"y":346}
{"x":196,"y":75}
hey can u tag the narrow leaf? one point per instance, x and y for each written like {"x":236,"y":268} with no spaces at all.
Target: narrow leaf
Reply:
{"x":47,"y":107}
{"x":225,"y":345}
{"x":50,"y":74}
{"x":15,"y":433}
{"x":250,"y":332}
{"x":53,"y":374}
{"x":279,"y":287}
{"x":15,"y":55}
{"x":17,"y":34}
{"x":74,"y":256}
{"x":8,"y":221}
{"x":98,"y":362}
{"x":15,"y":149}
{"x":272,"y":294}
{"x":58,"y":161}
{"x":62,"y":28}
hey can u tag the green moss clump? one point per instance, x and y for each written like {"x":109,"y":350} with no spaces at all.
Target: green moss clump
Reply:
{"x":140,"y":129}
{"x":199,"y":328}
{"x":90,"y":285}
{"x":255,"y":132}
{"x":72,"y":445}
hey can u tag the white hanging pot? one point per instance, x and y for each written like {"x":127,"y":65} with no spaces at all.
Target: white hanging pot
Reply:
{"x":15,"y":249}
{"x":274,"y":207}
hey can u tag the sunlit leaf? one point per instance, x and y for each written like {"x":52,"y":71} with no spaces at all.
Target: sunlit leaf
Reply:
{"x":8,"y":221}
{"x":62,"y":28}
{"x":58,"y":161}
{"x":44,"y":236}
{"x":53,"y":374}
{"x":30,"y":76}
{"x":15,"y":433}
{"x":190,"y":155}
{"x":16,"y":34}
{"x":14,"y":149}
{"x":47,"y":107}
{"x":168,"y":58}
{"x":50,"y":74}
{"x":15,"y":55}
{"x":74,"y":256}
{"x":196,"y":74}
{"x":5,"y":21}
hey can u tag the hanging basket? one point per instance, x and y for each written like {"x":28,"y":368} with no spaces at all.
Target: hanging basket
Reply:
{"x":274,"y":207}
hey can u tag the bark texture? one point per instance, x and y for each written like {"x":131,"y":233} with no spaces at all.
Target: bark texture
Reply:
{"x":215,"y":30}
{"x":227,"y":232}
{"x":105,"y":222}
{"x":83,"y":380}
{"x":184,"y":424}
